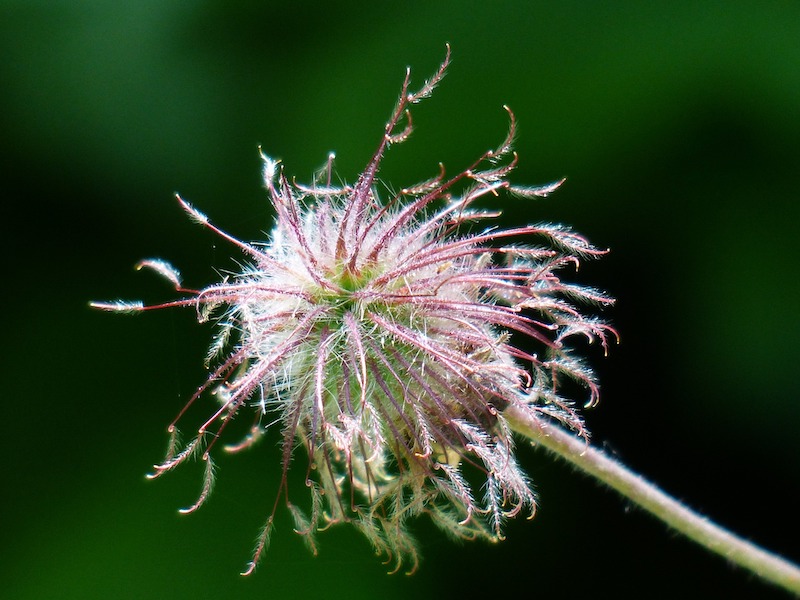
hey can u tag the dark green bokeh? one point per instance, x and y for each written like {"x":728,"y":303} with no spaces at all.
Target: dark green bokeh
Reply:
{"x":677,"y":125}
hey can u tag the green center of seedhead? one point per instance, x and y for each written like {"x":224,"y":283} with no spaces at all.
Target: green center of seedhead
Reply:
{"x":347,"y":297}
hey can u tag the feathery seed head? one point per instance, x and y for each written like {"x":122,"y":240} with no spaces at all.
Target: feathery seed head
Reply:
{"x":377,"y":332}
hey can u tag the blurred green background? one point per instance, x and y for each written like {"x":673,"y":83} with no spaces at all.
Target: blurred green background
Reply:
{"x":677,"y":125}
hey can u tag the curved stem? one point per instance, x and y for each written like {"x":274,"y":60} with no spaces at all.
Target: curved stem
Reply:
{"x":765,"y":564}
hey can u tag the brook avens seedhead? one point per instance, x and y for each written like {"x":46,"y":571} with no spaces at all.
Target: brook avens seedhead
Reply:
{"x":376,"y":332}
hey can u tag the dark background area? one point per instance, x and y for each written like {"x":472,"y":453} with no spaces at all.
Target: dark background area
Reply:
{"x":676,"y":124}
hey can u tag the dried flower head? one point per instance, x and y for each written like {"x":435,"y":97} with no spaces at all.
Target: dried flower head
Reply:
{"x":378,"y":334}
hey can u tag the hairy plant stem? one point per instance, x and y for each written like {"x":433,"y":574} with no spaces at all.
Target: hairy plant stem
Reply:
{"x":594,"y":462}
